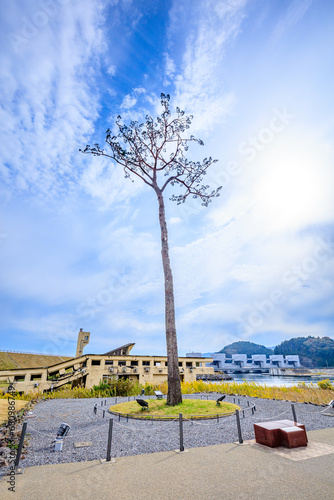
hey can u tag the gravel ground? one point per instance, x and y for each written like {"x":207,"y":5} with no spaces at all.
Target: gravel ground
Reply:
{"x":135,"y":437}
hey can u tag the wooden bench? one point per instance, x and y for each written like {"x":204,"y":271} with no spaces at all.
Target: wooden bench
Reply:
{"x":280,"y":433}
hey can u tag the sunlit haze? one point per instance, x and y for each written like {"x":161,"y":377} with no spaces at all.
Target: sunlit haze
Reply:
{"x":80,"y":244}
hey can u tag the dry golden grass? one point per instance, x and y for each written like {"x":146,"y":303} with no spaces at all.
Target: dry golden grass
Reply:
{"x":4,"y":406}
{"x":22,"y":360}
{"x":5,"y":362}
{"x":300,"y":392}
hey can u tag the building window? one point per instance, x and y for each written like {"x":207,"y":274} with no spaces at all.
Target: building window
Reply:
{"x":198,"y":364}
{"x":86,"y":338}
{"x":189,"y":364}
{"x":180,"y":363}
{"x":35,"y":377}
{"x":109,"y":362}
{"x":157,"y":363}
{"x":122,"y":363}
{"x":166,"y":363}
{"x":146,"y":363}
{"x":134,"y":363}
{"x":96,"y":362}
{"x":19,"y":378}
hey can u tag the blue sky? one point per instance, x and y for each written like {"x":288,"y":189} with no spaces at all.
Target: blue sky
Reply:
{"x":79,"y":244}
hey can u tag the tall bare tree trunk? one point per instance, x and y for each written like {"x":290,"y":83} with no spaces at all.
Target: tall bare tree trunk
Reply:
{"x":174,"y":396}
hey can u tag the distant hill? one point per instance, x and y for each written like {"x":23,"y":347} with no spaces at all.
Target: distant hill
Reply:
{"x":9,"y":360}
{"x":313,"y":351}
{"x":248,"y":348}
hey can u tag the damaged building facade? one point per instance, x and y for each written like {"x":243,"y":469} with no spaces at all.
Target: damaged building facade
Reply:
{"x":87,"y":370}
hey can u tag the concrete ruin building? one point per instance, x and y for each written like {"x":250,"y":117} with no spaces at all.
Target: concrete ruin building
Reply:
{"x":256,"y":363}
{"x":87,"y":370}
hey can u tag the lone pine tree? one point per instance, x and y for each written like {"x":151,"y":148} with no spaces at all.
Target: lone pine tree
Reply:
{"x":154,"y":151}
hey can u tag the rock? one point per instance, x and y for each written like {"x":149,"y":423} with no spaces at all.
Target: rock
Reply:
{"x":214,"y":376}
{"x":4,"y":452}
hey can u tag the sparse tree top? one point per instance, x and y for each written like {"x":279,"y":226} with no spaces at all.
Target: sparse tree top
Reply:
{"x":155,"y":151}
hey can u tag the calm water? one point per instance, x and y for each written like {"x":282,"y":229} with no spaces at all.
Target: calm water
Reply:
{"x":266,"y":379}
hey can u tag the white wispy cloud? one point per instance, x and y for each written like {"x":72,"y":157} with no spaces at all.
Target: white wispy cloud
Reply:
{"x":128,"y":102}
{"x":294,"y":14}
{"x":105,"y":182}
{"x":82,"y":244}
{"x":199,"y":81}
{"x":47,"y":107}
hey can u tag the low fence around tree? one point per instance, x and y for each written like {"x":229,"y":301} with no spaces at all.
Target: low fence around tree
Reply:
{"x":247,"y":409}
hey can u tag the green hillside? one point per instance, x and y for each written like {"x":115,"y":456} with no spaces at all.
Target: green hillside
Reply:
{"x":313,"y":351}
{"x":248,"y":348}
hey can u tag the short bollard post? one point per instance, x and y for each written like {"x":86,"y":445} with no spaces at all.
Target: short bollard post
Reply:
{"x":127,"y":417}
{"x":238,"y":425}
{"x":105,"y":402}
{"x":95,"y":409}
{"x":19,"y":450}
{"x":247,"y":402}
{"x":181,"y":432}
{"x":294,"y":412}
{"x":119,"y":417}
{"x":103,"y":413}
{"x":101,"y":403}
{"x":111,"y":421}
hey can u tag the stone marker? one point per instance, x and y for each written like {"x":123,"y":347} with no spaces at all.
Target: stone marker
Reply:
{"x":83,"y":444}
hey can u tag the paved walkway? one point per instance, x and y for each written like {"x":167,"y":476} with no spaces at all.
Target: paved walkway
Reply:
{"x":232,"y":471}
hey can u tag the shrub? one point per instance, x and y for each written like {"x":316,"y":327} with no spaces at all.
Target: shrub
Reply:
{"x":116,"y":387}
{"x":325,"y":384}
{"x":315,"y":393}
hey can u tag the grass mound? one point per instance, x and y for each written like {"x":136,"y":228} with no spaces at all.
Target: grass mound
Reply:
{"x":189,"y":408}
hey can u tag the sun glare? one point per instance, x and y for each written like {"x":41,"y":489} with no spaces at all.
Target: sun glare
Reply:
{"x":294,"y":189}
